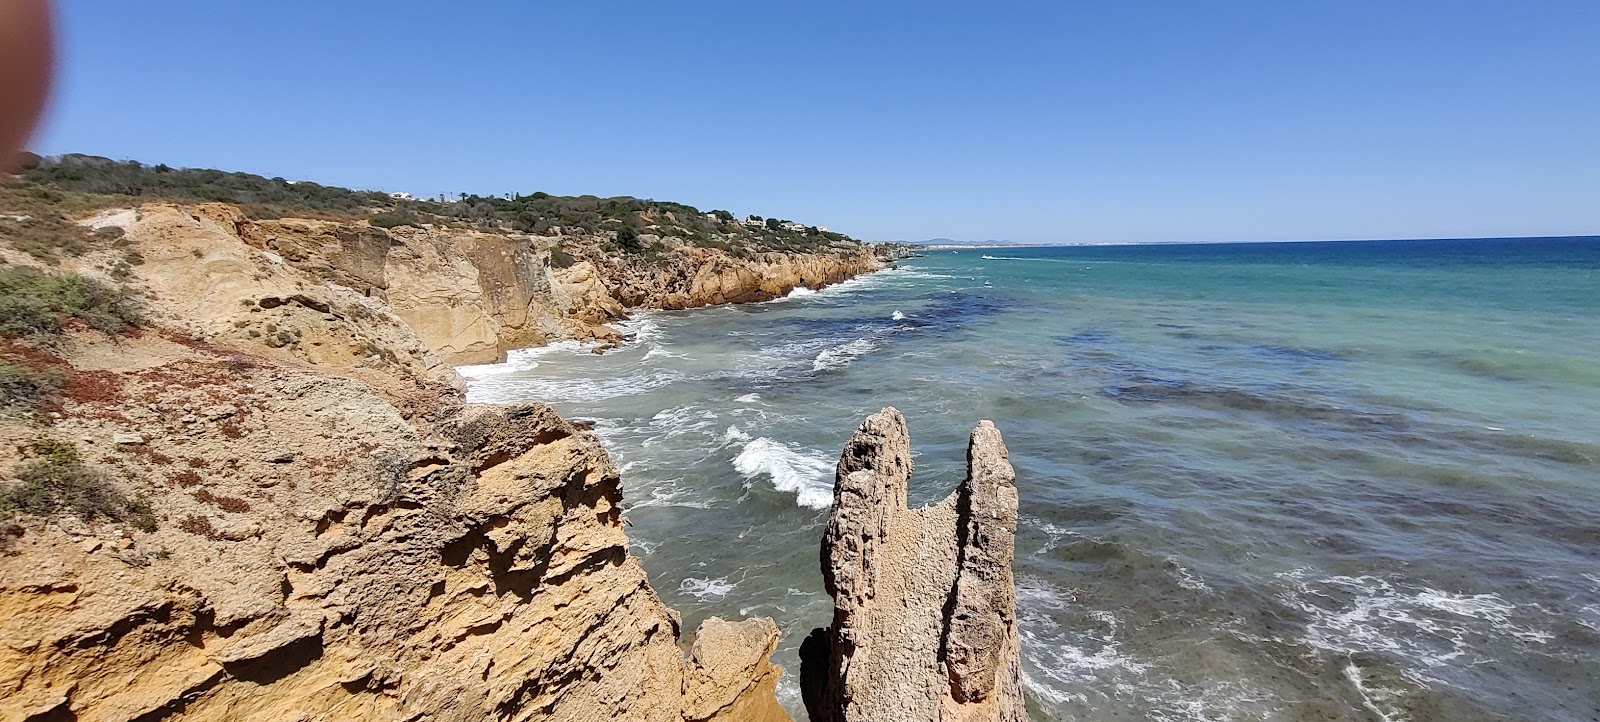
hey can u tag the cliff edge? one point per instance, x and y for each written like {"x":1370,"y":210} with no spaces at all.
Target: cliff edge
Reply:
{"x":240,"y":482}
{"x":924,"y":624}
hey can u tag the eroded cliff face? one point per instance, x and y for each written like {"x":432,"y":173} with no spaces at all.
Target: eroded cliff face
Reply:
{"x":924,"y":624}
{"x":336,"y":535}
{"x":470,"y":296}
{"x":690,"y":277}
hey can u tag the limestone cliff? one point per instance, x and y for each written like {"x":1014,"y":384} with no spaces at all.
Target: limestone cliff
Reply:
{"x":470,"y":295}
{"x":924,"y":625}
{"x":332,"y":533}
{"x":691,"y":277}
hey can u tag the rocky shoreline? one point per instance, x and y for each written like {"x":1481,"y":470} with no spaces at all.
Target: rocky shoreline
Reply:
{"x":326,"y":530}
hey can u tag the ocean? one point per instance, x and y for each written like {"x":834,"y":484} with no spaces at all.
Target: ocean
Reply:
{"x":1286,"y":481}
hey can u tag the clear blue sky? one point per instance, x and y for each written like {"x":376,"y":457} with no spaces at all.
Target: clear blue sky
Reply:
{"x":1048,"y":121}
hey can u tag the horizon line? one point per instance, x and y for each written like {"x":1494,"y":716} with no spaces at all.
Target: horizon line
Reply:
{"x":1054,"y":244}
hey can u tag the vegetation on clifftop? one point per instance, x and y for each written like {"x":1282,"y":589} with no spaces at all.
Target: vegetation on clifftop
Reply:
{"x":51,"y":189}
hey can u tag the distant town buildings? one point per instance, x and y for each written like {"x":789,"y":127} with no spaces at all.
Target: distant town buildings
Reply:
{"x":401,"y":196}
{"x":759,"y":222}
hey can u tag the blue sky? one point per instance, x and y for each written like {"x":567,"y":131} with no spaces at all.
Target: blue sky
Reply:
{"x":1046,"y":122}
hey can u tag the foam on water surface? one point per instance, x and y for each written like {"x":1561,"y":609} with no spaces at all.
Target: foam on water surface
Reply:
{"x":1255,"y":483}
{"x":806,"y":475}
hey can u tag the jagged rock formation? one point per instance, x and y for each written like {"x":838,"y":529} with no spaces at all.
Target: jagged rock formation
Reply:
{"x":692,"y":277}
{"x":319,"y":556}
{"x":924,"y":623}
{"x":336,"y":535}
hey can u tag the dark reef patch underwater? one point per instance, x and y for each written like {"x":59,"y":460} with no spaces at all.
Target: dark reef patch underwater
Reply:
{"x":1258,"y":482}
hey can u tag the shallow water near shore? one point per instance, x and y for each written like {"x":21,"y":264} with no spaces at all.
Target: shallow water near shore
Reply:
{"x":1259,"y":481}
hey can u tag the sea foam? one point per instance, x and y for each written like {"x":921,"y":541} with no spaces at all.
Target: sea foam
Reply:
{"x":806,"y":475}
{"x":840,"y":356}
{"x":704,"y":589}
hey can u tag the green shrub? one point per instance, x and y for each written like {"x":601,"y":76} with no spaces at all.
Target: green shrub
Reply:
{"x":22,"y":388}
{"x":628,"y":239}
{"x":46,"y":237}
{"x":86,"y":174}
{"x":559,"y":258}
{"x":34,"y":303}
{"x":56,"y":481}
{"x":396,"y":217}
{"x":57,"y":189}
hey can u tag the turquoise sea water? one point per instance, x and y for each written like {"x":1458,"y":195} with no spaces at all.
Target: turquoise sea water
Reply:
{"x":1258,"y":482}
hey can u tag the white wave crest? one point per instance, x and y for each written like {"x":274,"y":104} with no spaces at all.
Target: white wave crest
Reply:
{"x":706,"y":588}
{"x":670,"y":496}
{"x":734,"y":436}
{"x":802,"y":473}
{"x":641,"y":328}
{"x":659,"y":351}
{"x":748,"y":398}
{"x":801,"y":291}
{"x":522,"y":359}
{"x":840,"y":356}
{"x":897,"y":316}
{"x":533,"y":388}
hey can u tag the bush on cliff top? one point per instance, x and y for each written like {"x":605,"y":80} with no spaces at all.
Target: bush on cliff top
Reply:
{"x":95,"y":175}
{"x":92,"y":181}
{"x":402,"y":216}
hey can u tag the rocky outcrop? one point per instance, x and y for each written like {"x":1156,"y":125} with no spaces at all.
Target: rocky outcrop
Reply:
{"x":333,"y":533}
{"x":924,"y":624}
{"x":691,"y":277}
{"x":318,"y":556}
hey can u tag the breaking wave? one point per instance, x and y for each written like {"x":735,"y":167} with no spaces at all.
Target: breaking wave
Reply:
{"x":840,"y":356}
{"x":522,"y":359}
{"x":806,"y":475}
{"x":707,"y":589}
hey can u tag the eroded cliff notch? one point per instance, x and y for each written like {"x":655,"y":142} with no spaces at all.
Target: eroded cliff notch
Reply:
{"x":924,"y":617}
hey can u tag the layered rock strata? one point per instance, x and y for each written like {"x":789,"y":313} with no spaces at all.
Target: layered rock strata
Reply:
{"x":362,"y":571}
{"x":471,"y":296}
{"x":332,"y":533}
{"x":924,"y":624}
